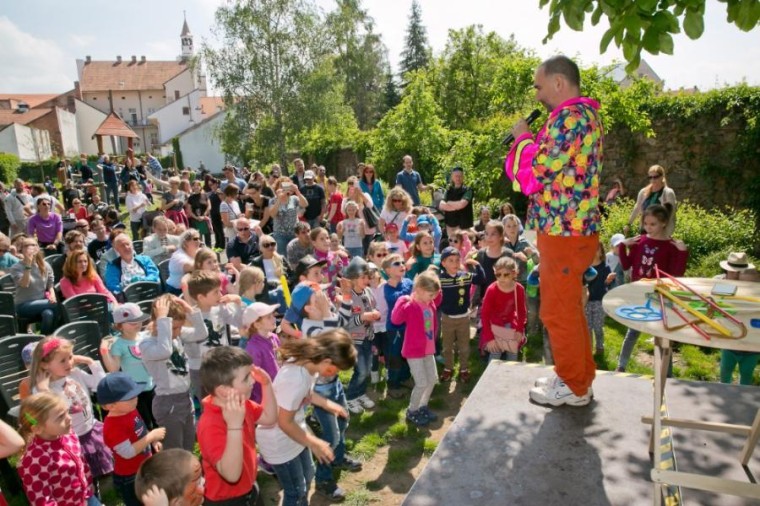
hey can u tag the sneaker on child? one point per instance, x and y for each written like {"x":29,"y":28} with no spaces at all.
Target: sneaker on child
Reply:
{"x":348,"y":464}
{"x":365,"y":401}
{"x":417,"y":418}
{"x":331,"y":490}
{"x":431,"y":417}
{"x":355,"y":407}
{"x":558,"y":393}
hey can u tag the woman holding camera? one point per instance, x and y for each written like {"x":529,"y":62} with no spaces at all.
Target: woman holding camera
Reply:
{"x":284,"y":210}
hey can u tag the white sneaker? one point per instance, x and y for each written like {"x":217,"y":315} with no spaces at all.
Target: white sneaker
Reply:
{"x":355,"y":407}
{"x":548,"y":380}
{"x":365,"y":401}
{"x":557,"y":394}
{"x":545,"y":381}
{"x":374,"y":377}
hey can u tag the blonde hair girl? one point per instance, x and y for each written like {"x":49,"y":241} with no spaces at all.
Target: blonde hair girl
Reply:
{"x":54,"y":369}
{"x":45,"y":424}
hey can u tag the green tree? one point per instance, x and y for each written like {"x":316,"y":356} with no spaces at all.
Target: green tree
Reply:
{"x":392,"y":97}
{"x":414,"y":127}
{"x":648,"y":25}
{"x":480,"y":74}
{"x":361,"y":61}
{"x":267,"y":50}
{"x":416,"y":53}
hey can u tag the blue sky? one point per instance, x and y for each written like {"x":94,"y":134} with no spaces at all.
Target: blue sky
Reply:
{"x":41,"y":39}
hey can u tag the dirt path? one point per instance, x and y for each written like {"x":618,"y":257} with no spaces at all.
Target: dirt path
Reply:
{"x":376,"y":483}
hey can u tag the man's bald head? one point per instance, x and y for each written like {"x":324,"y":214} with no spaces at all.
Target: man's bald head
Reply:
{"x":564,"y":66}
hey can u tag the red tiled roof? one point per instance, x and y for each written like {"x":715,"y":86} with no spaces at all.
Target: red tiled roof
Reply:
{"x":113,"y":125}
{"x":128,"y":76}
{"x":9,"y":116}
{"x":32,"y":100}
{"x":211,"y":105}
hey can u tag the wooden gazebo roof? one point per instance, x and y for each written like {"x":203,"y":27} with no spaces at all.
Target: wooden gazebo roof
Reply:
{"x":115,"y":126}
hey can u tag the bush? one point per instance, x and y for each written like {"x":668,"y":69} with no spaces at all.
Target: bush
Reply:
{"x":9,"y":164}
{"x":709,"y":234}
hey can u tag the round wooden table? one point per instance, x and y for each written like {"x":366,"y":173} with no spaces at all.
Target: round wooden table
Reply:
{"x":636,"y":294}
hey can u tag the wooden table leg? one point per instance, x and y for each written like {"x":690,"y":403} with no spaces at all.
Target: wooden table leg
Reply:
{"x":660,"y":345}
{"x":754,"y":435}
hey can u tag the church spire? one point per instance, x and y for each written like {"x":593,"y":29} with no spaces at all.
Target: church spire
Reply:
{"x":187,"y":39}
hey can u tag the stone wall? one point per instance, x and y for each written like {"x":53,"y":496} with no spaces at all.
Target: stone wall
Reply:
{"x":696,"y":157}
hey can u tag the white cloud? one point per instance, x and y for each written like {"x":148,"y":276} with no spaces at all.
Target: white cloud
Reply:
{"x":79,"y":40}
{"x":31,"y":64}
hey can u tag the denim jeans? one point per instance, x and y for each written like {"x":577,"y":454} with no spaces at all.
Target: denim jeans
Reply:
{"x":282,"y":241}
{"x":499,"y":356}
{"x":43,"y":309}
{"x":628,"y":343}
{"x":398,"y":368}
{"x":358,"y":384}
{"x":125,"y":486}
{"x":112,"y":187}
{"x":295,"y":478}
{"x":333,"y":427}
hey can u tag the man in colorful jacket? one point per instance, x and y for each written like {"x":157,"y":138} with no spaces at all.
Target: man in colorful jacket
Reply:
{"x":560,"y":169}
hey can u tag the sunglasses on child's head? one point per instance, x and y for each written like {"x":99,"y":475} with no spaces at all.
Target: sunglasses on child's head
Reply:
{"x":504,"y":274}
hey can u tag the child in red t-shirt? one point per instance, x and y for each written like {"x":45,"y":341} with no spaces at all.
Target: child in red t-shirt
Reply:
{"x":226,"y":429}
{"x":125,"y":432}
{"x":504,"y":313}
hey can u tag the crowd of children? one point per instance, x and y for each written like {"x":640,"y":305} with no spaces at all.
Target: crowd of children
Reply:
{"x":256,"y":354}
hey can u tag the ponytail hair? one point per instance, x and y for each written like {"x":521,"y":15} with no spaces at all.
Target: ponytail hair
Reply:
{"x":334,"y":345}
{"x":662,"y":212}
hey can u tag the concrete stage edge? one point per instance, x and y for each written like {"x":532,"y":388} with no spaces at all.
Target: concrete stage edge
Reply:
{"x":503,"y":449}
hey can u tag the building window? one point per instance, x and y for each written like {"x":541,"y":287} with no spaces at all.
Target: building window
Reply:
{"x":123,"y":98}
{"x":150,"y":96}
{"x":94,"y":98}
{"x":186,"y":111}
{"x":176,"y":94}
{"x":133,"y":116}
{"x":153,"y":139}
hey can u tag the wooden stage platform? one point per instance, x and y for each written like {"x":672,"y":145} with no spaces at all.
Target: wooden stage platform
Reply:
{"x":504,"y":450}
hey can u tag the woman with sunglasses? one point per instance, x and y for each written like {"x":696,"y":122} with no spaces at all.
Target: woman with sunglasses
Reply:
{"x":174,"y":203}
{"x":47,"y":226}
{"x":397,"y":208}
{"x":271,"y":262}
{"x":370,"y":184}
{"x":183,"y":260}
{"x":656,"y":192}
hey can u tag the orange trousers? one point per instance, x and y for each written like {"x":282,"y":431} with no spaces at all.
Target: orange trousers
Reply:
{"x":563,"y":262}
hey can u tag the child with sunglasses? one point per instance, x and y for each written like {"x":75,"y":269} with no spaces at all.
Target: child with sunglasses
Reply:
{"x":504,"y":313}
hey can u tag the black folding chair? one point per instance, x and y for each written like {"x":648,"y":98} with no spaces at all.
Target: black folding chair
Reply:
{"x":146,"y":305}
{"x":84,"y":335}
{"x":163,"y":273}
{"x":12,"y":371}
{"x":56,"y":263}
{"x":137,"y":246}
{"x":8,"y":307}
{"x":7,"y":284}
{"x":7,"y":326}
{"x":142,"y":290}
{"x":89,"y":307}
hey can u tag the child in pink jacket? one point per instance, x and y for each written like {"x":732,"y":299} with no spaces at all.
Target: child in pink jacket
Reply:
{"x":418,"y":311}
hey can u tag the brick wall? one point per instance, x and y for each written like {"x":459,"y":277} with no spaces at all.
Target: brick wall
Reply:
{"x":696,"y":157}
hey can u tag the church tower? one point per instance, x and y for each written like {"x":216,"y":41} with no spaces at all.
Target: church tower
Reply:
{"x":187,"y":41}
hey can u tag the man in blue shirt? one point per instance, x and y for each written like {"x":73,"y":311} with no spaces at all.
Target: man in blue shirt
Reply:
{"x":229,"y":173}
{"x":410,"y":180}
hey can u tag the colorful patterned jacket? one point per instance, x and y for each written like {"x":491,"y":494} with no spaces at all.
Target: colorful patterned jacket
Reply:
{"x":560,"y":169}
